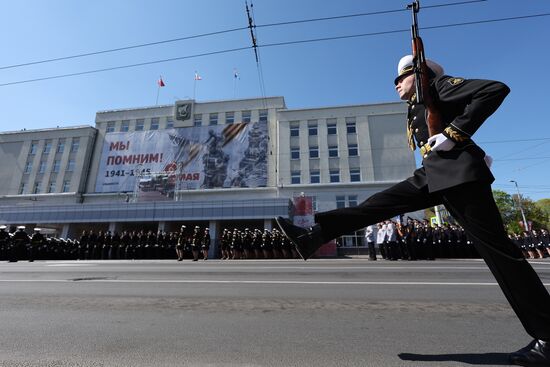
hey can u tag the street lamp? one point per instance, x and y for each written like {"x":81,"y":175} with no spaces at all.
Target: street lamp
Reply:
{"x":525,"y":225}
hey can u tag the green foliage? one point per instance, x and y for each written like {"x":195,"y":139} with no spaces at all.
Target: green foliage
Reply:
{"x":544,"y":205}
{"x":511,"y":215}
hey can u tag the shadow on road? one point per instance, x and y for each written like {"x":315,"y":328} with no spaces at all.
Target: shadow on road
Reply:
{"x":469,"y":358}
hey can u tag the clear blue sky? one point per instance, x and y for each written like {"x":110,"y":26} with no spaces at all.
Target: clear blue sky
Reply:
{"x":350,"y":71}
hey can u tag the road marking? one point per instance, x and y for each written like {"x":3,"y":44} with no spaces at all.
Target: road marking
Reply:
{"x":71,"y":265}
{"x":277,"y":282}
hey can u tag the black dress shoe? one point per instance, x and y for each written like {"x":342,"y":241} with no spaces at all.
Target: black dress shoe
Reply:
{"x":305,"y":241}
{"x":536,"y":353}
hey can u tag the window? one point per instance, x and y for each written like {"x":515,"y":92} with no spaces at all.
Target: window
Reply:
{"x":51,"y":187}
{"x":314,"y":177}
{"x":352,"y":200}
{"x":197,"y":120}
{"x":312,"y":127}
{"x":294,"y":153}
{"x":295,"y":177}
{"x":229,"y":117}
{"x":213,"y":118}
{"x":70,"y":165}
{"x":56,"y":166}
{"x":37,"y":185}
{"x":61,"y":146}
{"x":47,"y":147}
{"x":66,"y":185}
{"x":125,"y":126}
{"x":169,"y":122}
{"x":334,"y":175}
{"x":355,"y":175}
{"x":340,"y":202}
{"x":28,"y":167}
{"x":333,"y":151}
{"x":295,"y":130}
{"x":110,"y":127}
{"x":313,"y":152}
{"x":34,"y":148}
{"x":140,"y":123}
{"x":352,"y":150}
{"x":246,"y":116}
{"x":350,"y":125}
{"x":155,"y":123}
{"x":42,"y":167}
{"x":331,"y":129}
{"x":263,"y":115}
{"x":75,"y":145}
{"x":22,"y":188}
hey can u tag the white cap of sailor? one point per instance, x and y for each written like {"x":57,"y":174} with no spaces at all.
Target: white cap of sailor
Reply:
{"x":2,"y":227}
{"x":21,"y":228}
{"x":37,"y":229}
{"x":405,"y":67}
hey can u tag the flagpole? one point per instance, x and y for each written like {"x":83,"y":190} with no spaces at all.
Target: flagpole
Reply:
{"x":235,"y":77}
{"x":194,"y":87}
{"x":158,"y":92}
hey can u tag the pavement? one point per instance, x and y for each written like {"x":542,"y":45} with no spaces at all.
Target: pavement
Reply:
{"x":323,"y":312}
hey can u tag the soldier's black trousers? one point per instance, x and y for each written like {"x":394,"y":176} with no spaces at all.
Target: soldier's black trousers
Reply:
{"x":472,"y":205}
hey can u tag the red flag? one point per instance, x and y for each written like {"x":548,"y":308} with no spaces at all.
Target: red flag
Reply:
{"x":161,"y":82}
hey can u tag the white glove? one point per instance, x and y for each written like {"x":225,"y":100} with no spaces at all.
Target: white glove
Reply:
{"x":440,"y":142}
{"x":488,"y":160}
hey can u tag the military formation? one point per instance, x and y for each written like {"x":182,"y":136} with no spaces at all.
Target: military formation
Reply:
{"x":418,"y":240}
{"x":390,"y":240}
{"x":534,"y":244}
{"x":255,"y":244}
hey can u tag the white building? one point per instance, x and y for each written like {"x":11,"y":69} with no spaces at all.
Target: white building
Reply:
{"x":232,"y":163}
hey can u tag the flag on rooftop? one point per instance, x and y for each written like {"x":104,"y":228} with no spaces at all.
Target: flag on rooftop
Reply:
{"x":161,"y":82}
{"x":197,"y":76}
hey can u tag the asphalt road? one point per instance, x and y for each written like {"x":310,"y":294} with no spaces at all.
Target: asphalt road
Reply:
{"x":342,"y":312}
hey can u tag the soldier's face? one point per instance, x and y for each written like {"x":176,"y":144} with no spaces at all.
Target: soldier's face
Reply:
{"x":405,"y":87}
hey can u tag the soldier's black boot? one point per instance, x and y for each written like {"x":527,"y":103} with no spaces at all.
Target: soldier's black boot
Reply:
{"x":306,"y":241}
{"x":536,"y":353}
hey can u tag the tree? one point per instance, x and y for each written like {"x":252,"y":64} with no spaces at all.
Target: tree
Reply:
{"x":511,"y":214}
{"x":544,"y":204}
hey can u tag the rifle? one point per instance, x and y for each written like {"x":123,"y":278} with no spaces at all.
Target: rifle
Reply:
{"x":421,"y":76}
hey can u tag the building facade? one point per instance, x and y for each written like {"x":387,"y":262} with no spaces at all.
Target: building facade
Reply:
{"x":219,"y":164}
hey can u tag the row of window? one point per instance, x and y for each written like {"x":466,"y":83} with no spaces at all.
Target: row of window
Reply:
{"x":75,"y":144}
{"x":140,"y":125}
{"x":246,"y":116}
{"x":334,"y":176}
{"x":55,"y":167}
{"x":37,"y":188}
{"x":332,"y":151}
{"x":341,"y":202}
{"x":197,"y":121}
{"x":312,"y":127}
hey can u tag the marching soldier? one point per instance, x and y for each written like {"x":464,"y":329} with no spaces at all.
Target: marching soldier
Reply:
{"x":182,"y":240}
{"x":381,"y":240}
{"x":205,"y":243}
{"x":4,"y":242}
{"x":196,"y":243}
{"x":455,"y":173}
{"x":257,"y":243}
{"x":35,"y":243}
{"x":266,"y":244}
{"x":20,"y":240}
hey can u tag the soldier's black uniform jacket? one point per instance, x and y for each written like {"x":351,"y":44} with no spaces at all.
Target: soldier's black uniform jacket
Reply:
{"x":464,"y":105}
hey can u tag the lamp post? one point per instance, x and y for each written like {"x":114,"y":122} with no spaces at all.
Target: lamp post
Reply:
{"x":525,"y":225}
